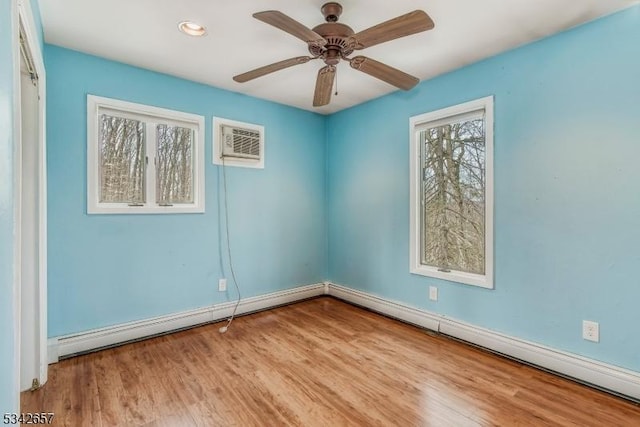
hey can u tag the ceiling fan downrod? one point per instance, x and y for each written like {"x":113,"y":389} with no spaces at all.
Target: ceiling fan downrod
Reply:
{"x":331,"y":11}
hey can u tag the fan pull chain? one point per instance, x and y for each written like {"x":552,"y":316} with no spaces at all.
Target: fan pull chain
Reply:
{"x":336,"y":94}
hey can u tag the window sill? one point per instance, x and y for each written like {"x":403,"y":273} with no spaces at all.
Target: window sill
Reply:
{"x":479,"y":280}
{"x":147,"y":210}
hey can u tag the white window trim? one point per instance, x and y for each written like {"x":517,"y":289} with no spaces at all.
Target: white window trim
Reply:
{"x":142,"y":112}
{"x":218,"y":122}
{"x":416,"y":266}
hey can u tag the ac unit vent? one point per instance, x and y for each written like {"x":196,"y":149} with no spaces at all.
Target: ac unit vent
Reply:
{"x":240,"y":143}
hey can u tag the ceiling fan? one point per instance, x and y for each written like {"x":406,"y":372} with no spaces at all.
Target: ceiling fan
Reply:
{"x":333,"y":41}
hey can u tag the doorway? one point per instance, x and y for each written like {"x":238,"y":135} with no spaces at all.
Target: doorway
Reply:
{"x":31,"y":207}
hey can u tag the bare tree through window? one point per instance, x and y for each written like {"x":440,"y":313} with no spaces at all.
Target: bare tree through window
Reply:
{"x":143,"y":159}
{"x":174,"y":164}
{"x":122,"y":160}
{"x":453,"y":196}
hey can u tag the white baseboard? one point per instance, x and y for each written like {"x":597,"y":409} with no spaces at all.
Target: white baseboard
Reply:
{"x":606,"y":376}
{"x":97,"y":338}
{"x":613,"y":378}
{"x":386,"y":307}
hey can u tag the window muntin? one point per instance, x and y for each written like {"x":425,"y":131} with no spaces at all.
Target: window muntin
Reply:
{"x":143,"y":159}
{"x":451,"y":225}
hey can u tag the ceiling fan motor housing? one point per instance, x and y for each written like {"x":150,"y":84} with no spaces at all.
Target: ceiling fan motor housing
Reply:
{"x":339,"y":39}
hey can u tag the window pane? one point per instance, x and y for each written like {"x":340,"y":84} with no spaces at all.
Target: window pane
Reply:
{"x":174,"y":164}
{"x":453,"y":196}
{"x":121,"y":160}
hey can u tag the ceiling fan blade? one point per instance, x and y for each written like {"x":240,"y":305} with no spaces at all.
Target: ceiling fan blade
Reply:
{"x":324,"y":85}
{"x":291,"y":26}
{"x":401,"y":26}
{"x":384,"y":72}
{"x":277,"y":66}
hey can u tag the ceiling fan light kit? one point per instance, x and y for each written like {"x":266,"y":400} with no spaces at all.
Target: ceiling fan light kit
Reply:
{"x":333,"y":41}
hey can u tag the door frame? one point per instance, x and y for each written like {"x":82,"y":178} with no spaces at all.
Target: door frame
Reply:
{"x":23,"y":15}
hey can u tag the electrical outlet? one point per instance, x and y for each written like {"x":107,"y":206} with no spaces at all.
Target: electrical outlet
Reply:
{"x":433,"y":293}
{"x":222,"y":285}
{"x":591,"y":331}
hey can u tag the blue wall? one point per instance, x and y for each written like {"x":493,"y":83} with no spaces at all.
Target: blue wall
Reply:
{"x":566,"y":198}
{"x":567,"y":201}
{"x":109,"y":269}
{"x":8,"y":386}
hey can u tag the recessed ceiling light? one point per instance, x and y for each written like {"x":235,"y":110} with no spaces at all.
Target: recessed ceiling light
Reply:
{"x":191,"y":28}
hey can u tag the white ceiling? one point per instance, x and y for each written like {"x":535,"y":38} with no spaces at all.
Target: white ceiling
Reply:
{"x":144,"y":33}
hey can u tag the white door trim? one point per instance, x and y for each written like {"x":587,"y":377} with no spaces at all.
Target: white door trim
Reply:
{"x":17,"y":194}
{"x":25,"y":16}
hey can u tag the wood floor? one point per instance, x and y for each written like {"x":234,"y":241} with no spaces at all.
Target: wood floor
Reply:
{"x":316,"y":363}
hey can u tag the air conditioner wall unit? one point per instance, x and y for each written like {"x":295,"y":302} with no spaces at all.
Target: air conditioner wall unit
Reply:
{"x":238,"y":144}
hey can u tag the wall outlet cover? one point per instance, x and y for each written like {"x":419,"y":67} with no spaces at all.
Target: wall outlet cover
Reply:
{"x":591,"y":330}
{"x":433,"y":293}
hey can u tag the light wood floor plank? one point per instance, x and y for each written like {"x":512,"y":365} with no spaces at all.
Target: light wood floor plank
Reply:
{"x":316,"y":363}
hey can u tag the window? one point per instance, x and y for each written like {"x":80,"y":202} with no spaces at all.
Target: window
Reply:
{"x":452,"y":193}
{"x":143,"y":159}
